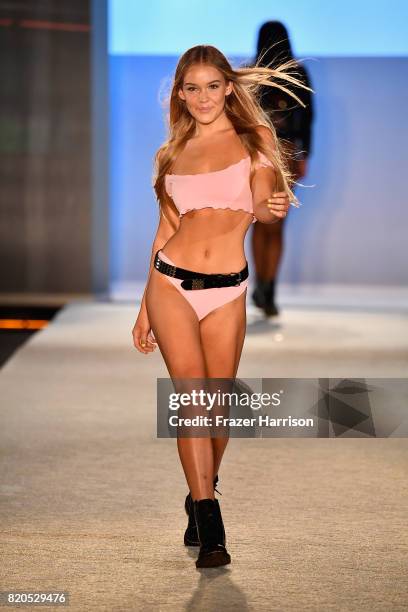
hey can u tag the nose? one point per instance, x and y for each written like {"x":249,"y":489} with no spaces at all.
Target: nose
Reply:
{"x":203,"y":96}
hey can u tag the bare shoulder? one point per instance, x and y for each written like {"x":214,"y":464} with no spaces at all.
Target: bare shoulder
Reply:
{"x":160,"y":154}
{"x":263,"y":131}
{"x":266,"y":134}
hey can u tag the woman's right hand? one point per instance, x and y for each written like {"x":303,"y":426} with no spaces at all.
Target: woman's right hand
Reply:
{"x":143,"y":337}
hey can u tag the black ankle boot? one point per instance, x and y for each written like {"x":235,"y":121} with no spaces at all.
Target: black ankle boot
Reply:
{"x":258,"y":295}
{"x":270,"y":308}
{"x":211,"y":534}
{"x":191,"y":535}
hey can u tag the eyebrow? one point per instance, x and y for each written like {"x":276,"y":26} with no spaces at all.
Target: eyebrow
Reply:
{"x":209,"y":83}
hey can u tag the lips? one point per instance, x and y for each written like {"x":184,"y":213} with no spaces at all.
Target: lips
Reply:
{"x":204,"y":110}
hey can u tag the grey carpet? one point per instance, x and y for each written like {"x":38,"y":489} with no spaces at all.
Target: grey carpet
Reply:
{"x":92,"y":501}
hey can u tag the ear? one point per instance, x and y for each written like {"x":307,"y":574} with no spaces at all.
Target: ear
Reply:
{"x":181,"y":94}
{"x":229,"y":88}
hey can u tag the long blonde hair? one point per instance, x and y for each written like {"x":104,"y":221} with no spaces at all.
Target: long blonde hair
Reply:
{"x":242,"y":109}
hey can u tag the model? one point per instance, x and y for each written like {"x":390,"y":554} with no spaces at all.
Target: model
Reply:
{"x":220,"y":170}
{"x":293,"y":125}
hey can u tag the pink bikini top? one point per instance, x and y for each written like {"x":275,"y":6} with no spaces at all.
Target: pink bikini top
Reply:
{"x":227,"y":189}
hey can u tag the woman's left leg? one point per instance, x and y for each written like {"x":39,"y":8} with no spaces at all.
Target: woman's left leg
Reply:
{"x":222,"y":338}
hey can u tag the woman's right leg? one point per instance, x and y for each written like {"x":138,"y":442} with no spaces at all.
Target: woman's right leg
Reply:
{"x":176,"y":328}
{"x":267,"y":246}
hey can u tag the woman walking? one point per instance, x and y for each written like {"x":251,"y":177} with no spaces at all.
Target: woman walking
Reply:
{"x":220,"y":170}
{"x":293,"y":125}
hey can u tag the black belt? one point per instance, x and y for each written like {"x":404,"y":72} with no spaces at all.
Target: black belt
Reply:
{"x":199,"y":280}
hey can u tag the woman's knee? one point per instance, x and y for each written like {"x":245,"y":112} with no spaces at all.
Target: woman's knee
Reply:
{"x":187,"y":370}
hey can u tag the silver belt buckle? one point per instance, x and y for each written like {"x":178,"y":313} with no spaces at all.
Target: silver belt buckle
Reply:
{"x":197,"y":283}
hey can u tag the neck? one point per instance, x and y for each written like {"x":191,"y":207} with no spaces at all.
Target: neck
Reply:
{"x":220,"y":124}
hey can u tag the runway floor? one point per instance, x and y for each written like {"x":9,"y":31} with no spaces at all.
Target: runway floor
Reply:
{"x":92,"y":502}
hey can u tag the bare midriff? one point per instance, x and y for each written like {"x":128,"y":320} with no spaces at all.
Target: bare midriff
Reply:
{"x":210,"y":241}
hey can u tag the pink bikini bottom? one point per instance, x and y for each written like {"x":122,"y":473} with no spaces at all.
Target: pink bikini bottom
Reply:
{"x":203,"y":301}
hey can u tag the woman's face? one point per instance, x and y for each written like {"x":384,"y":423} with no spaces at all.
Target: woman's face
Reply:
{"x":204,"y":90}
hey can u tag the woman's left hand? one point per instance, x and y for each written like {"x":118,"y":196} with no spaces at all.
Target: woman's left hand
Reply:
{"x":278,"y":204}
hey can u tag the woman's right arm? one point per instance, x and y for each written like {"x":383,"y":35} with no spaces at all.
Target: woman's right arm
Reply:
{"x":166,"y":229}
{"x":141,"y":331}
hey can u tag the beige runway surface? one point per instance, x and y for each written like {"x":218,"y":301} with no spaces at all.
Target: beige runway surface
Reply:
{"x":92,"y":502}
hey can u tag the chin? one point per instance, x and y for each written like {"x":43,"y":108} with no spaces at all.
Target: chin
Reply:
{"x":206,"y":118}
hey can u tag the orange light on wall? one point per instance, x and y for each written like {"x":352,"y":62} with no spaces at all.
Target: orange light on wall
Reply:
{"x":54,"y":25}
{"x":35,"y":24}
{"x":23,"y":323}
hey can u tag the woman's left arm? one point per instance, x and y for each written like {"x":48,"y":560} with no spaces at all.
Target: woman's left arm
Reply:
{"x":269,"y":205}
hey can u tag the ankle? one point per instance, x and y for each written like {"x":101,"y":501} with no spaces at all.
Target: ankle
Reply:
{"x":200,"y":498}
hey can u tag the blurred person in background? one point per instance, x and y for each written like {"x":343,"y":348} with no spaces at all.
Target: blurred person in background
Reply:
{"x":293,"y":128}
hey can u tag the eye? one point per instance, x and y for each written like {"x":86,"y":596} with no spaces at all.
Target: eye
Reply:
{"x":214,"y":86}
{"x":190,"y":88}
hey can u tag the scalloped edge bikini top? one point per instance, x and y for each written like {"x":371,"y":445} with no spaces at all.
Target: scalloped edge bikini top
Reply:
{"x":228,"y":188}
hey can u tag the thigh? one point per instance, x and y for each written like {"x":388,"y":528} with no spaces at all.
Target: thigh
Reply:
{"x":222,"y":337}
{"x":271,"y":230}
{"x":175,"y":327}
